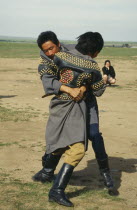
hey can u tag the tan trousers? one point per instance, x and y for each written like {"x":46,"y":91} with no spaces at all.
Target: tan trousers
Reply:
{"x":73,"y":154}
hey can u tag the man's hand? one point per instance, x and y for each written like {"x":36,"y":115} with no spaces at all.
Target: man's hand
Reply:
{"x":76,"y":93}
{"x":81,"y":94}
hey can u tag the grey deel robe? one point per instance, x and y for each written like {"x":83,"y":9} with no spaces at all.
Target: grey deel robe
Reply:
{"x":67,"y":119}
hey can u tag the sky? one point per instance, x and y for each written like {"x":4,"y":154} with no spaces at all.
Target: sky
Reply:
{"x":116,"y":20}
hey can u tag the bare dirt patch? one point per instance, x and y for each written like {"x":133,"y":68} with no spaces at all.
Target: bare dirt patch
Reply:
{"x":22,"y":140}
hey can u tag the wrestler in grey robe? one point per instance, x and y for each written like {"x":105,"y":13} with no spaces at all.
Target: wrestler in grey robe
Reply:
{"x":67,"y":120}
{"x":49,"y":77}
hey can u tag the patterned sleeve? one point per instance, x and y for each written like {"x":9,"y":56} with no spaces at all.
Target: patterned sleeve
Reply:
{"x":98,"y":87}
{"x":49,"y":75}
{"x":89,"y":71}
{"x":47,"y":67}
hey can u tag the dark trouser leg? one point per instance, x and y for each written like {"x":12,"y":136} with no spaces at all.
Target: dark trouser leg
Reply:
{"x":57,"y":193}
{"x":98,"y":147}
{"x":97,"y":142}
{"x":49,"y":163}
{"x":101,"y":156}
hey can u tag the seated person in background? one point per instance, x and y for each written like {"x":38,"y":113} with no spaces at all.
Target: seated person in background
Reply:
{"x":108,"y":73}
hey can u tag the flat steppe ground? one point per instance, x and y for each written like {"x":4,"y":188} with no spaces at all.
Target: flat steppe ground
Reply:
{"x":24,"y":115}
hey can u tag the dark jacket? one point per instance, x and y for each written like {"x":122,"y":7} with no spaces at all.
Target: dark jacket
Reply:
{"x":110,"y":72}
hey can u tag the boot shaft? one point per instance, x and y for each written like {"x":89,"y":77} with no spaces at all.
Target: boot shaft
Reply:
{"x":57,"y":193}
{"x":50,"y":161}
{"x":63,"y":176}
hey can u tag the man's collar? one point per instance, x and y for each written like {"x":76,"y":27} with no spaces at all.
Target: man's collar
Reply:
{"x":42,"y":54}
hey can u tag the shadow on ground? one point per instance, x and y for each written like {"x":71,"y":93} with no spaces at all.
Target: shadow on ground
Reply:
{"x":7,"y":96}
{"x":113,"y":86}
{"x":90,"y":177}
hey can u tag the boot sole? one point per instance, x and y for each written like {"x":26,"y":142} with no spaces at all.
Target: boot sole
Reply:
{"x":113,"y":192}
{"x":55,"y":200}
{"x":44,"y":181}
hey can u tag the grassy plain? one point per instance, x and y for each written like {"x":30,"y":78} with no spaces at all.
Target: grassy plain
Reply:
{"x":23,"y":115}
{"x":30,"y":50}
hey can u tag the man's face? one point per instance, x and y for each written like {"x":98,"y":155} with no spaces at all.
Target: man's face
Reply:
{"x":49,"y":48}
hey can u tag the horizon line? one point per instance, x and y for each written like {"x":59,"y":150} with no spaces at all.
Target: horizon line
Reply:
{"x":34,"y":38}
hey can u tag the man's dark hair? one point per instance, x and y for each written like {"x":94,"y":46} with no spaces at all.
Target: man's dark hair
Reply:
{"x":47,"y":36}
{"x":90,"y":42}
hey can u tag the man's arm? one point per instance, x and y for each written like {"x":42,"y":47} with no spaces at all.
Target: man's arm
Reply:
{"x":48,"y":74}
{"x":76,"y":93}
{"x":98,"y":87}
{"x":52,"y":85}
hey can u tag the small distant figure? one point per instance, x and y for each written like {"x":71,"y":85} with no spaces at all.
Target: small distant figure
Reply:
{"x":108,"y":73}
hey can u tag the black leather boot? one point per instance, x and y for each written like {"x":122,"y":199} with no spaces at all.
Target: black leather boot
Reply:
{"x":57,"y":193}
{"x":105,"y":173}
{"x":49,"y":163}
